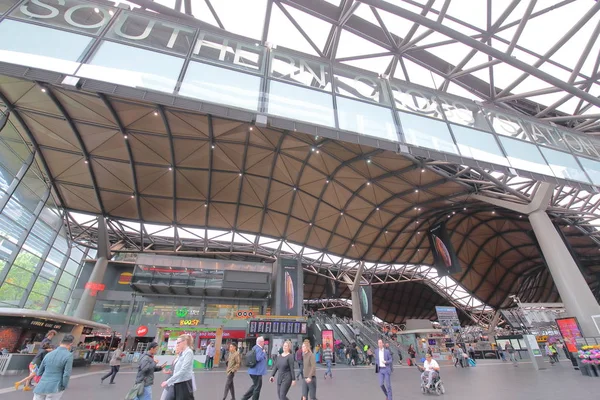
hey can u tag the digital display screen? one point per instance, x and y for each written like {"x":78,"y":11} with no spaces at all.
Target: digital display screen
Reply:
{"x":277,"y":327}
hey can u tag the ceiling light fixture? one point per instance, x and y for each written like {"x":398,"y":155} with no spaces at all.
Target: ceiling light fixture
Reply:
{"x":43,"y":90}
{"x":416,"y":190}
{"x":125,"y":137}
{"x":155,"y":113}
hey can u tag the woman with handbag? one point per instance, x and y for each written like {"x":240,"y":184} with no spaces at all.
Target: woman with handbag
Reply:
{"x":182,"y":379}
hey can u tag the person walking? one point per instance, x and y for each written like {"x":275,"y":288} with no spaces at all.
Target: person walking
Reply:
{"x":34,"y":366}
{"x":146,"y":368}
{"x":309,"y":385}
{"x":383,"y":360}
{"x":210,"y":355}
{"x":233,"y":365}
{"x":328,"y":359}
{"x":387,"y":347}
{"x":115,"y":365}
{"x":471,"y":352}
{"x":55,"y":371}
{"x":412,"y":354}
{"x":48,"y":339}
{"x":460,"y":356}
{"x":300,"y":362}
{"x":183,"y":371}
{"x":285,"y":367}
{"x":511,"y":353}
{"x":258,"y":370}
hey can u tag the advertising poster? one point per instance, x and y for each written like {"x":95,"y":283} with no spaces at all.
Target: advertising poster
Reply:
{"x":448,"y":319}
{"x":290,"y":301}
{"x":327,"y":339}
{"x":570,"y":331}
{"x":533,"y":345}
{"x":332,"y":289}
{"x":366,"y":301}
{"x":444,"y":257}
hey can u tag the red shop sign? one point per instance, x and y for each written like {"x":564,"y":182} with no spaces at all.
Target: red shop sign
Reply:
{"x":141,"y":330}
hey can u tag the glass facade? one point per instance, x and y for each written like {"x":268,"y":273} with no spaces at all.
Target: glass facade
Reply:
{"x":133,"y":49}
{"x":38,"y":264}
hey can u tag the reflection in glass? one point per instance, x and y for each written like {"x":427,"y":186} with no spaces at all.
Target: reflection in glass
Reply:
{"x":592,"y":167}
{"x":130,"y":66}
{"x":301,"y":104}
{"x":478,"y":145}
{"x":464,"y":113}
{"x":525,"y":156}
{"x":507,"y":125}
{"x":297,"y":70}
{"x":360,"y":86}
{"x":229,"y":52}
{"x":219,"y":85}
{"x":366,"y":119}
{"x":427,"y":132}
{"x":39,"y":47}
{"x":412,"y":100}
{"x":82,"y":16}
{"x":151,"y":32}
{"x":564,"y":165}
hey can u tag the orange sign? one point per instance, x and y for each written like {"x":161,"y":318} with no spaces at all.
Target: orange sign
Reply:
{"x":125,"y":278}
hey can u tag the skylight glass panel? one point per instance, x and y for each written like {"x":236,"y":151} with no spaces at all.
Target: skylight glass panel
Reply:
{"x":244,"y":18}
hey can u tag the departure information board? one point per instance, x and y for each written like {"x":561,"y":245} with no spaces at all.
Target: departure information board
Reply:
{"x":260,"y":327}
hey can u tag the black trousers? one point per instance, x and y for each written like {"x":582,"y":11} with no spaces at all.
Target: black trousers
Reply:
{"x":229,"y":386}
{"x":254,"y":390}
{"x":113,"y":372}
{"x":309,"y":388}
{"x":300,"y":369}
{"x":284,"y":382}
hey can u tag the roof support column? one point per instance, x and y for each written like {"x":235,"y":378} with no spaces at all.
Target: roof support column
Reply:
{"x":355,"y":291}
{"x":572,"y":287}
{"x":85,"y":308}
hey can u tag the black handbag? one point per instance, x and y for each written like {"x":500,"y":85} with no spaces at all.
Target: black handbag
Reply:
{"x":184,"y":390}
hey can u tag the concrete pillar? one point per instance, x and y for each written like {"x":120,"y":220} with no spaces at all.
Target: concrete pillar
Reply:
{"x":574,"y":291}
{"x":356,"y":311}
{"x":85,"y":308}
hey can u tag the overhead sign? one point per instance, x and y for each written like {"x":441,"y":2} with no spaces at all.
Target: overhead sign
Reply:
{"x":243,"y":314}
{"x":448,"y":319}
{"x":260,"y":327}
{"x":444,"y":257}
{"x":142,"y":330}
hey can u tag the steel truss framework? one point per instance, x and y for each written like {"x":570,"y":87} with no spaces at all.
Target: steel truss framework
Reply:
{"x":405,"y":38}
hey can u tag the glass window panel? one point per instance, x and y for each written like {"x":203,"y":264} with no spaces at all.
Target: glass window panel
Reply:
{"x":35,"y":245}
{"x":56,"y":306}
{"x":72,"y":267}
{"x":55,"y":257}
{"x":525,"y":156}
{"x":564,"y":165}
{"x":9,"y":230}
{"x":5,"y":5}
{"x":427,"y":132}
{"x":366,"y":119}
{"x":76,"y":254}
{"x":41,"y":47}
{"x":6,"y":177}
{"x":42,"y":285}
{"x":478,"y":145}
{"x":131,"y":66}
{"x":61,"y":293}
{"x":3,"y":264}
{"x":360,"y":86}
{"x":508,"y":125}
{"x":302,"y":71}
{"x":92,"y":253}
{"x":582,"y":145}
{"x":27,"y":260}
{"x":70,"y":14}
{"x":66,"y":280}
{"x":10,"y":163}
{"x":545,"y":135}
{"x":233,"y":53}
{"x":150,"y":32}
{"x":18,"y":277}
{"x":49,"y":271}
{"x":413,"y":100}
{"x":592,"y":168}
{"x":11,"y":294}
{"x":35,"y":301}
{"x":301,"y":104}
{"x":465,"y":113}
{"x":219,"y":85}
{"x":43,"y":231}
{"x":49,"y":216}
{"x":17,"y":212}
{"x":61,"y":244}
{"x":26,"y":197}
{"x":35,"y":183}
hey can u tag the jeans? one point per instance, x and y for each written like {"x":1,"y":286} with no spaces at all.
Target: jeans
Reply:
{"x":513,"y":358}
{"x":385,"y":382}
{"x":254,"y":390}
{"x":300,"y":369}
{"x":209,"y":362}
{"x":229,"y":387}
{"x":147,"y":395}
{"x":309,"y":388}
{"x":50,"y":396}
{"x":113,"y":372}
{"x":328,"y":372}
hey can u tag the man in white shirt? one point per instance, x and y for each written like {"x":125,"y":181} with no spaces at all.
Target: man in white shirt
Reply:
{"x":430,"y":369}
{"x":383,"y":361}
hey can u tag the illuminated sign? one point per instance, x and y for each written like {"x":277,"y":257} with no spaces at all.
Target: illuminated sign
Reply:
{"x":189,"y":322}
{"x":141,"y":330}
{"x":182,"y":312}
{"x":259,"y":327}
{"x":244,"y":314}
{"x":125,"y":278}
{"x":95,"y":287}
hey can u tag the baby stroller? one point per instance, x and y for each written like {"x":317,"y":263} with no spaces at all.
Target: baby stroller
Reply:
{"x":437,"y":385}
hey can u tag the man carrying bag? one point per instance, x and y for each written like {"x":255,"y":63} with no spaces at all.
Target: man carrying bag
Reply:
{"x":142,"y":389}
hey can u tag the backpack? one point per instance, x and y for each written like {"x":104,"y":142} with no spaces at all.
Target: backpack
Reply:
{"x":251,"y":359}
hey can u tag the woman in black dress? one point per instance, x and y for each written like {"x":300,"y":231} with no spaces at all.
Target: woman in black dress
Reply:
{"x":285,"y":366}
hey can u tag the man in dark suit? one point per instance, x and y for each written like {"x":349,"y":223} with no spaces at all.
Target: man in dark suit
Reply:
{"x":383,"y":366}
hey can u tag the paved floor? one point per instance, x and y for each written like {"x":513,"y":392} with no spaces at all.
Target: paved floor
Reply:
{"x":491,"y":380}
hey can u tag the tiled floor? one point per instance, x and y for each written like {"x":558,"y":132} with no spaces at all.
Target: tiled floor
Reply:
{"x":490,"y":380}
